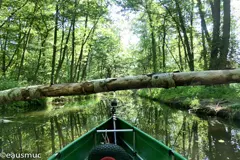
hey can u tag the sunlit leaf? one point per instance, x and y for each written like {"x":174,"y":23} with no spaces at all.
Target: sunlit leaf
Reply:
{"x":221,"y":141}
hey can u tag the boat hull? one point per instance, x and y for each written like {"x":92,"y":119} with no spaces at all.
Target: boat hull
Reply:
{"x":138,"y":144}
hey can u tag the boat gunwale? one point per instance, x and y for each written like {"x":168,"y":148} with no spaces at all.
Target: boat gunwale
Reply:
{"x":153,"y":139}
{"x":93,"y":130}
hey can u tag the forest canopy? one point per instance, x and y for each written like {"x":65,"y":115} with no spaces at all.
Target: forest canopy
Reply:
{"x":58,"y":41}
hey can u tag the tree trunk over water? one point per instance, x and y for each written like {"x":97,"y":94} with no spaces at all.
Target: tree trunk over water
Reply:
{"x":156,"y":80}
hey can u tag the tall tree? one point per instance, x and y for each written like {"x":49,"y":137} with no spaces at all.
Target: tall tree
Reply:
{"x":220,"y":45}
{"x":203,"y":22}
{"x":226,"y":34}
{"x":73,"y":41}
{"x":27,"y":39}
{"x":63,"y":55}
{"x":43,"y":39}
{"x":216,"y":34}
{"x":154,"y":45}
{"x":186,"y":39}
{"x":205,"y":35}
{"x":4,"y":50}
{"x":191,"y":26}
{"x":164,"y":44}
{"x":54,"y":43}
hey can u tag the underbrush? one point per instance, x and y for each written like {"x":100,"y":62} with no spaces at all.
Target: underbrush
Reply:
{"x":192,"y":95}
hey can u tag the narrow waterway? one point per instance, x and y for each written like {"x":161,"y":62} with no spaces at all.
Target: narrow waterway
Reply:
{"x":45,"y":132}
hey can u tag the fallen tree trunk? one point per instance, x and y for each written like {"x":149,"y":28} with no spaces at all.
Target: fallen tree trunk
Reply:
{"x":156,"y":80}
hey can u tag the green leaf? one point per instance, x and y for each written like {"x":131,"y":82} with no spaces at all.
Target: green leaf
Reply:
{"x":221,"y":141}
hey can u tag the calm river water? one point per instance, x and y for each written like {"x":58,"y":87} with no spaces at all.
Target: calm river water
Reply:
{"x":45,"y":132}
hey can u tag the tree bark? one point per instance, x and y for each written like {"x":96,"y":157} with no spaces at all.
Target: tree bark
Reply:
{"x":203,"y":22}
{"x":41,"y":50}
{"x":61,"y":59}
{"x":85,"y":39}
{"x":4,"y":55}
{"x":226,"y":34}
{"x":179,"y":54}
{"x":169,"y":51}
{"x":191,"y":23}
{"x":23,"y":54}
{"x":186,"y":39}
{"x":216,"y":34}
{"x":186,"y":59}
{"x":204,"y":51}
{"x":154,"y":46}
{"x":84,"y":72}
{"x":73,"y":42}
{"x":16,"y":51}
{"x":27,"y":40}
{"x":54,"y":44}
{"x":163,"y":45}
{"x":157,"y":80}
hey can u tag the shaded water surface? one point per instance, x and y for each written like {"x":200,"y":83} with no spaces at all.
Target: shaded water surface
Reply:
{"x":46,"y":132}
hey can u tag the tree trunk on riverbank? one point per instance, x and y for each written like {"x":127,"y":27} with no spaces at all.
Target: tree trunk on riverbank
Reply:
{"x":156,"y":80}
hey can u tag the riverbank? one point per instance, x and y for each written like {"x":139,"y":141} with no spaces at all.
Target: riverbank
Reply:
{"x":23,"y":107}
{"x":20,"y":106}
{"x":222,"y":101}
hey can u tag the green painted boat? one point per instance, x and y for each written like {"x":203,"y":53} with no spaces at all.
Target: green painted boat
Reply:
{"x":115,"y":139}
{"x":137,"y":144}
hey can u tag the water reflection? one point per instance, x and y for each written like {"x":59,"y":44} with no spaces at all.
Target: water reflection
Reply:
{"x":46,"y":134}
{"x":191,"y":136}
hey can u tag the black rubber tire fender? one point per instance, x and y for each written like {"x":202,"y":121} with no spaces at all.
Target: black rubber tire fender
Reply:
{"x":108,"y":150}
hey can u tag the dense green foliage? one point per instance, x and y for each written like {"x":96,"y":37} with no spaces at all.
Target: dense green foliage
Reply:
{"x":201,"y":92}
{"x":23,"y":106}
{"x":65,"y":40}
{"x":175,"y":35}
{"x":198,"y":96}
{"x":69,"y":41}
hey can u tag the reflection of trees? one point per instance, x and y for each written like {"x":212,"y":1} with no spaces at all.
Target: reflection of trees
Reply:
{"x":79,"y":123}
{"x":52,"y":135}
{"x":71,"y":125}
{"x":37,"y":140}
{"x":48,"y":135}
{"x":195,"y":148}
{"x":19,"y":133}
{"x":1,"y":137}
{"x":166,"y":125}
{"x":187,"y":134}
{"x":221,"y":141}
{"x":184,"y":136}
{"x":59,"y":131}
